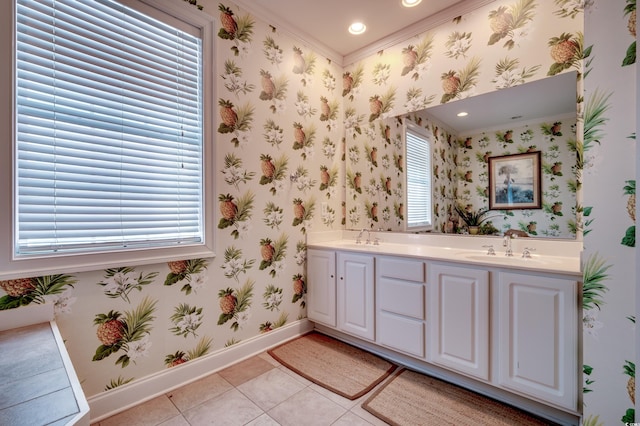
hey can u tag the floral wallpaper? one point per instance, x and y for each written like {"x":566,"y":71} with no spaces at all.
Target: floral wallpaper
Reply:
{"x":306,"y":144}
{"x":512,"y":43}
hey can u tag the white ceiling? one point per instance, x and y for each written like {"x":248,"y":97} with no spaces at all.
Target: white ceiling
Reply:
{"x":324,"y":23}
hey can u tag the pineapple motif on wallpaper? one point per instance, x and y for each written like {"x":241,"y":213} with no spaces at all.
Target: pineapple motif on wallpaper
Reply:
{"x":46,"y":289}
{"x":511,"y":22}
{"x":630,"y":12}
{"x":235,"y":304}
{"x":238,"y":29}
{"x":236,"y":213}
{"x":180,"y":357}
{"x":127,"y":332}
{"x":192,"y":272}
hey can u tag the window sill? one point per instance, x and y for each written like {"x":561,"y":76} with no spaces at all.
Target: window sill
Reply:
{"x":36,"y":267}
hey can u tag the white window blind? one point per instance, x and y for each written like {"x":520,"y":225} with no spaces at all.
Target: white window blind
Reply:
{"x":418,"y":157}
{"x":109,"y":129}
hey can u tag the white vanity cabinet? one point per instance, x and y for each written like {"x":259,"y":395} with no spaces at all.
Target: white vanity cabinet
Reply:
{"x":537,"y":336}
{"x":509,"y":332}
{"x":400,"y":304}
{"x":355,"y":294}
{"x":459,"y":319}
{"x":340,"y":291}
{"x":321,"y":286}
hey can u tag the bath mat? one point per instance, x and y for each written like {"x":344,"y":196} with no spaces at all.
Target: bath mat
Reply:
{"x":334,"y":365}
{"x":412,"y":398}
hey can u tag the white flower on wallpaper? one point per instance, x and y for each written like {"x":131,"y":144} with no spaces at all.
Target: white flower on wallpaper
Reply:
{"x":272,"y":52}
{"x":139,"y":348}
{"x":300,"y":257}
{"x":273,"y":215}
{"x":572,"y":8}
{"x":303,"y":107}
{"x":328,"y":217}
{"x":329,"y":148}
{"x":234,"y":173}
{"x":274,"y":134}
{"x":186,"y":320}
{"x":416,"y":100}
{"x":590,"y":323}
{"x":328,"y":80}
{"x":61,"y":302}
{"x":233,"y":81}
{"x":272,"y":298}
{"x":380,"y":74}
{"x":234,"y":263}
{"x":458,"y":44}
{"x":119,"y":282}
{"x":509,"y":73}
{"x":352,"y":122}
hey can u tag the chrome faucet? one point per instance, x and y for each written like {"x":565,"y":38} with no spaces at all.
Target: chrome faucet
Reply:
{"x":526,"y":253}
{"x":359,"y":237}
{"x":506,"y":242}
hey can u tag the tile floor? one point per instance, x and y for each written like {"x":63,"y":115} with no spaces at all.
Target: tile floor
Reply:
{"x":255,"y":392}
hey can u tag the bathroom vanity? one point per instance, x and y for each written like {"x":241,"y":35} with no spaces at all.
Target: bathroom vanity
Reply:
{"x":505,"y":326}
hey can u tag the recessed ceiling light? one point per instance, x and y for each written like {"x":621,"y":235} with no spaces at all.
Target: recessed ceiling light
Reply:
{"x":463,"y":114}
{"x":410,"y":3}
{"x":357,"y":28}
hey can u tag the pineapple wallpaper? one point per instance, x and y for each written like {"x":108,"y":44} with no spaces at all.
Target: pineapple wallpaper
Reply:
{"x":305,"y":144}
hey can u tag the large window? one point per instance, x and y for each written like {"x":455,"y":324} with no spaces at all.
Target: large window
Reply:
{"x":418,"y":185}
{"x":110,"y":148}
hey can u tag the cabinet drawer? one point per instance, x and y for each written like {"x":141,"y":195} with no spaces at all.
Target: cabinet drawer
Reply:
{"x":402,"y":269}
{"x":401,"y":333}
{"x":401,"y":297}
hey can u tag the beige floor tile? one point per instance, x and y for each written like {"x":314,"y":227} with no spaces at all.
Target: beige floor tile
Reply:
{"x":176,"y":421}
{"x":364,"y":414}
{"x":270,"y":388}
{"x":295,"y":375}
{"x":197,"y":392}
{"x":351,"y":419}
{"x":150,"y":413}
{"x":231,"y":408}
{"x":308,"y":408}
{"x":340,"y":400}
{"x":269,"y":359}
{"x":245,"y":370}
{"x":263,"y":420}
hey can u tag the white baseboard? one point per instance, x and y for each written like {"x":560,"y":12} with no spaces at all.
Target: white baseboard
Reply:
{"x":124,"y":397}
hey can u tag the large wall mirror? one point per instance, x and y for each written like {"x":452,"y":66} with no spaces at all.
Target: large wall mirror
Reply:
{"x":539,"y":116}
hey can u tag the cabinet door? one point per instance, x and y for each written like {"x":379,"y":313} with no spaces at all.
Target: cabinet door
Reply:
{"x":458,"y":312}
{"x":355,"y":298}
{"x":321,"y":286}
{"x":538,"y":337}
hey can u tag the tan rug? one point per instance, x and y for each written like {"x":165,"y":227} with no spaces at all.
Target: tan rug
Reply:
{"x":337,"y":366}
{"x":411,"y":398}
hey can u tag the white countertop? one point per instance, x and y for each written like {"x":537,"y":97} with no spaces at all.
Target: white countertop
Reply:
{"x":547,"y":255}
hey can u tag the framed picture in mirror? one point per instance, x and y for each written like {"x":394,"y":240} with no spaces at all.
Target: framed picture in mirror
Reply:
{"x":515,"y":181}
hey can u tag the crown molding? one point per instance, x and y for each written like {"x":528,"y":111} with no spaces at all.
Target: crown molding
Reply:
{"x":429,"y":23}
{"x":446,"y":15}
